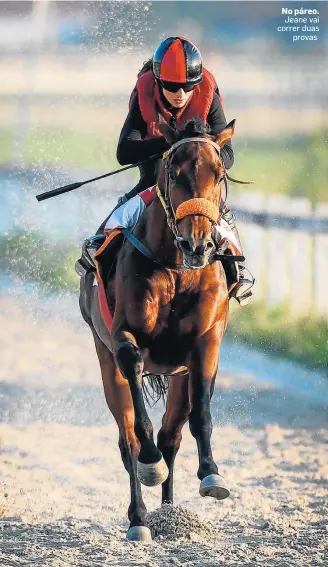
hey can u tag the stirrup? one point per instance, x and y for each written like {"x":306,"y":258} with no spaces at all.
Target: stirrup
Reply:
{"x":82,"y":267}
{"x":90,"y":246}
{"x":242,"y":291}
{"x":244,"y":298}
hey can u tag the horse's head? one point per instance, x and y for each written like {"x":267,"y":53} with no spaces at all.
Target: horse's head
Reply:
{"x":190,"y":182}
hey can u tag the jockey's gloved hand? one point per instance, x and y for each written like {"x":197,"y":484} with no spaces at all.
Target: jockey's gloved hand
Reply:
{"x":159,"y":144}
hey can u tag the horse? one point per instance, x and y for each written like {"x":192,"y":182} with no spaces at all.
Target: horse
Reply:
{"x":170,"y":302}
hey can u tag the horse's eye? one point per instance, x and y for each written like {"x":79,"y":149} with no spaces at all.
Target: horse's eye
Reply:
{"x":172,"y":176}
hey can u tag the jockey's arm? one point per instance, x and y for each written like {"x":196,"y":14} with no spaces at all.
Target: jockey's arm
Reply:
{"x":132,"y":148}
{"x":217,"y":121}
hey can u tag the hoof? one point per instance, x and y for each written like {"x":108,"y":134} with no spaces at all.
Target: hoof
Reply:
{"x":214,"y":485}
{"x":152,"y":474}
{"x":139,"y":533}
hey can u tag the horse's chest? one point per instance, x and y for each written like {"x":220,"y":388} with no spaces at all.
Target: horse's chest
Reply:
{"x":170,"y":327}
{"x":179,"y":318}
{"x":170,"y":341}
{"x":174,"y":321}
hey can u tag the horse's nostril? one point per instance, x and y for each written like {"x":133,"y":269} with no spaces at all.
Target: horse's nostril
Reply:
{"x":185,"y":244}
{"x":209,"y":245}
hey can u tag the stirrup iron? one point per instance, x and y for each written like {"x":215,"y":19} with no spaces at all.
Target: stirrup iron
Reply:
{"x":242,"y":292}
{"x":90,"y":246}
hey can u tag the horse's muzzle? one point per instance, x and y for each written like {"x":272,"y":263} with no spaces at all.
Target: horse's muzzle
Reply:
{"x":196,"y":254}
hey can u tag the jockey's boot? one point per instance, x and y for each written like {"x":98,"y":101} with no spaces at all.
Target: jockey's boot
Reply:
{"x":242,"y":291}
{"x":89,"y":247}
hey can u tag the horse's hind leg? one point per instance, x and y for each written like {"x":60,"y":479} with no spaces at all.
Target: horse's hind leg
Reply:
{"x":169,"y":436}
{"x":119,"y":400}
{"x":152,"y":469}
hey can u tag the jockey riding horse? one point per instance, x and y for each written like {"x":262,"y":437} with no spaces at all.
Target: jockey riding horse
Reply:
{"x":173,"y":86}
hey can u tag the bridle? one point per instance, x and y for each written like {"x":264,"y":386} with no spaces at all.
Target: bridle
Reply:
{"x":196,"y":206}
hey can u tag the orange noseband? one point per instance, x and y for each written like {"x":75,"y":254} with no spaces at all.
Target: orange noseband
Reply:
{"x":202,"y":207}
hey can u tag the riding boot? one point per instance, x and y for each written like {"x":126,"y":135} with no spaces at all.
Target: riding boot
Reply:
{"x":242,"y":291}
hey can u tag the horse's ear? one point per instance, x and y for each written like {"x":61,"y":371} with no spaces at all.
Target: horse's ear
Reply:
{"x":226,"y":134}
{"x":170,"y":135}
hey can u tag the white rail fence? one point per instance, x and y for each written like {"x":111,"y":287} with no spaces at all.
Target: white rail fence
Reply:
{"x":286,"y":247}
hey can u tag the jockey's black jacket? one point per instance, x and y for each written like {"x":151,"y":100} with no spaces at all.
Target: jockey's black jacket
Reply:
{"x":132,"y":148}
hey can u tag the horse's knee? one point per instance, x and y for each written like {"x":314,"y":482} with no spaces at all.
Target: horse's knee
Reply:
{"x":200,"y":415}
{"x":129,"y":359}
{"x":200,"y":421}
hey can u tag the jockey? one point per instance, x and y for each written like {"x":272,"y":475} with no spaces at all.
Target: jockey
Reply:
{"x":175,"y":84}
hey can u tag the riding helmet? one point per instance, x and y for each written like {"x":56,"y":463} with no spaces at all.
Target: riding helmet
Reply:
{"x":178,"y":60}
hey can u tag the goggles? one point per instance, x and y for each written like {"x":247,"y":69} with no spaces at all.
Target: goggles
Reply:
{"x":174,"y":87}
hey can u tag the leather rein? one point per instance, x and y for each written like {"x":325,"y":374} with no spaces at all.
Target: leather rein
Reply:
{"x":191,"y":207}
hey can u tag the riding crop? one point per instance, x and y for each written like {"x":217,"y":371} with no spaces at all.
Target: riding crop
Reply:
{"x":72,"y":186}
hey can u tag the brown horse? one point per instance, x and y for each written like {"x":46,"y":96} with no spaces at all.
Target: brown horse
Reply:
{"x":170,"y":310}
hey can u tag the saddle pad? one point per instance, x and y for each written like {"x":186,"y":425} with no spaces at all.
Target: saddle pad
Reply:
{"x":106,"y":251}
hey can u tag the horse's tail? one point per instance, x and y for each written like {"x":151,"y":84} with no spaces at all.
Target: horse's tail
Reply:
{"x":154,"y":387}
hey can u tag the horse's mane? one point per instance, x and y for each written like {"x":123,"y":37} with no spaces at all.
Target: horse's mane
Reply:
{"x":196,"y":127}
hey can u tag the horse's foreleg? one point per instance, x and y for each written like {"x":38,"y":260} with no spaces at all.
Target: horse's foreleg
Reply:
{"x":151,"y":466}
{"x":119,"y":401}
{"x":169,"y":436}
{"x":203,"y":366}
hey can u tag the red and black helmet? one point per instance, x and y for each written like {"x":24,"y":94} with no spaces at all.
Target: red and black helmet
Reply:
{"x":178,"y":60}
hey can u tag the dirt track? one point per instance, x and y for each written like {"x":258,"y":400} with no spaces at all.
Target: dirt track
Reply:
{"x":65,"y":491}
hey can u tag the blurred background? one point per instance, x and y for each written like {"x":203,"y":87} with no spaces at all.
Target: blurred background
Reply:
{"x":67,"y":70}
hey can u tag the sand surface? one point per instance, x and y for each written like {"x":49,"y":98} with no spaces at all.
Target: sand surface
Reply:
{"x":65,"y":492}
